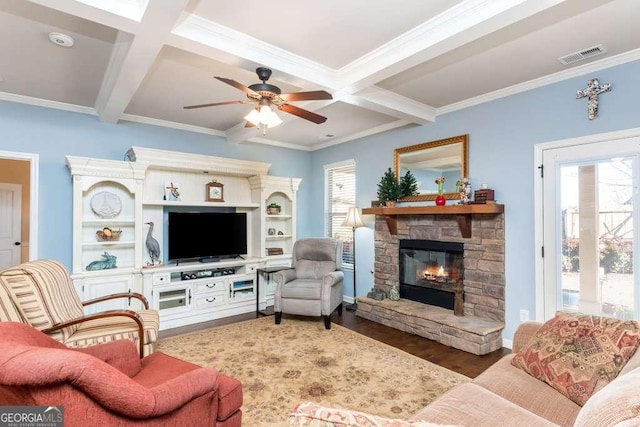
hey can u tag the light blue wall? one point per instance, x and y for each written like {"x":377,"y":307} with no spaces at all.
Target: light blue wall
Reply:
{"x":502,"y":136}
{"x":53,"y":134}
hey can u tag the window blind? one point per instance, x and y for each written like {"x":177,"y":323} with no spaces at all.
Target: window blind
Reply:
{"x":340,"y":189}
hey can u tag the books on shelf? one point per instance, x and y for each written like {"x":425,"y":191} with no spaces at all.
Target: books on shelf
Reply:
{"x":275,"y":251}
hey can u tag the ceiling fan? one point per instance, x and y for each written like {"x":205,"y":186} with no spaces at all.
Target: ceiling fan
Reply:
{"x":266,"y":96}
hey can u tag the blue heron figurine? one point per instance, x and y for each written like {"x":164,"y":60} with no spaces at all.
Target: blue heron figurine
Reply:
{"x":152,"y":246}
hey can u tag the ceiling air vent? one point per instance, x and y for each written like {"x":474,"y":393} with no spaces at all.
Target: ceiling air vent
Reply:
{"x":582,"y":55}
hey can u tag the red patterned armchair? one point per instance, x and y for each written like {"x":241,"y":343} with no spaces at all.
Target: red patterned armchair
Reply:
{"x":109,"y":385}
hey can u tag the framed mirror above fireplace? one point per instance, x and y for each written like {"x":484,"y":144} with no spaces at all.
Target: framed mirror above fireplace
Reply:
{"x":430,"y":160}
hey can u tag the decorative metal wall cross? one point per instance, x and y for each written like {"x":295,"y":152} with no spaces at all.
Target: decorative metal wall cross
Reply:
{"x":593,"y":89}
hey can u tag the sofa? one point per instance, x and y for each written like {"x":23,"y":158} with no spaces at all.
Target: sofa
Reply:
{"x":109,"y":385}
{"x":507,"y":395}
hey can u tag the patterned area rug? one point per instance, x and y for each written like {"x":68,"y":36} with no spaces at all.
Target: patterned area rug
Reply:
{"x":299,"y":360}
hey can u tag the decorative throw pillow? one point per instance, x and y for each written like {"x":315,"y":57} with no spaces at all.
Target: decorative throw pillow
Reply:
{"x":309,"y":414}
{"x":578,"y":354}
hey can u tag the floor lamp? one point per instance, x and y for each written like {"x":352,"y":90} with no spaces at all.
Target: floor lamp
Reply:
{"x":354,"y":221}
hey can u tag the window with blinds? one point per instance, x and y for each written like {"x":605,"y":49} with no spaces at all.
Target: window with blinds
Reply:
{"x":340,"y":190}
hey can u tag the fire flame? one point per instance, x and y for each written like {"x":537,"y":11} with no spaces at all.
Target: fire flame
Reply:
{"x":431,"y":274}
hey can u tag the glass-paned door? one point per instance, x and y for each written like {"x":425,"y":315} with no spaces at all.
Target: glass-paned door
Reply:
{"x":590,"y":229}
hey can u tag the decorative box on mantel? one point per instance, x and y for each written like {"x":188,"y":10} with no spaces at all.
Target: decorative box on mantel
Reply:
{"x":463,"y":214}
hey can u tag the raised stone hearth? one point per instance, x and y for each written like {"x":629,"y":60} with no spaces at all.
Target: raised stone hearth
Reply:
{"x":468,"y":333}
{"x":479,"y":330}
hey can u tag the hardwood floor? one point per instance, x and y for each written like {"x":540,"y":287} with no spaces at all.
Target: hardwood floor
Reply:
{"x":457,"y":360}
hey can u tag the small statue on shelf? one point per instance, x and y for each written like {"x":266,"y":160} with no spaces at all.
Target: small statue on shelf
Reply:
{"x":464,"y":190}
{"x":108,"y":261}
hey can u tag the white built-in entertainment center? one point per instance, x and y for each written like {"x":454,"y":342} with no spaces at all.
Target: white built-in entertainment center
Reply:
{"x":114,"y":202}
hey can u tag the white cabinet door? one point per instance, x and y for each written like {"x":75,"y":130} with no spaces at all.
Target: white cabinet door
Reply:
{"x":95,"y":287}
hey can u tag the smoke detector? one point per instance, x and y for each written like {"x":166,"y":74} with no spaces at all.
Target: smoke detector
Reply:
{"x":61,"y":39}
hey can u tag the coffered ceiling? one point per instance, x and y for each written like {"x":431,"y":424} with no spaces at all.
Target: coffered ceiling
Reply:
{"x":386,"y":64}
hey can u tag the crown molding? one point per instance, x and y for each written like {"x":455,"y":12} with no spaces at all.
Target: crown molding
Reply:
{"x":173,"y":160}
{"x":623,"y":58}
{"x":106,"y":168}
{"x":38,"y":102}
{"x":276,"y":143}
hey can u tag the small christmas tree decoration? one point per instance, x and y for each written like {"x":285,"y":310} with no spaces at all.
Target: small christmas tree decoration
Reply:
{"x":388,"y":187}
{"x":408,"y":185}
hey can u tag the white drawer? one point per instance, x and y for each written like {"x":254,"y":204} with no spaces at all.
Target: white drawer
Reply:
{"x":209,"y":301}
{"x":209,"y":286}
{"x":161,"y":279}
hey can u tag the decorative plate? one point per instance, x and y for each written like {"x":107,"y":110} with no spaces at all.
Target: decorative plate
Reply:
{"x":106,"y":204}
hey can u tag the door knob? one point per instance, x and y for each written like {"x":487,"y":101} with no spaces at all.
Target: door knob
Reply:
{"x":16,"y":243}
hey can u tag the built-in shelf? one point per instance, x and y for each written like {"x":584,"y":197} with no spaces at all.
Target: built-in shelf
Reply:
{"x":463,"y":214}
{"x":108,"y":222}
{"x":279,"y":237}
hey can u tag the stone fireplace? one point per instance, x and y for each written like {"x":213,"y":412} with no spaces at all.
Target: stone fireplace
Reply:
{"x":473,"y":264}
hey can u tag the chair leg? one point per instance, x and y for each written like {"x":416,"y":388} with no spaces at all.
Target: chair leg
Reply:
{"x":340,"y":309}
{"x":278,"y":317}
{"x":327,"y":322}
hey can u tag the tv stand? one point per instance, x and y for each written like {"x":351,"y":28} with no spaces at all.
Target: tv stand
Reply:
{"x":209,"y":259}
{"x":192,"y":293}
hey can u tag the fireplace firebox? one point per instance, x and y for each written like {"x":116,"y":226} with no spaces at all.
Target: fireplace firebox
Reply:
{"x":432,"y":272}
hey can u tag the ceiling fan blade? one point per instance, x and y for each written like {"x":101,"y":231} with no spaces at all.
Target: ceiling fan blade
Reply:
{"x":189,"y":107}
{"x":306,"y":96}
{"x":238,"y":86}
{"x":250,"y":125}
{"x":305,"y":114}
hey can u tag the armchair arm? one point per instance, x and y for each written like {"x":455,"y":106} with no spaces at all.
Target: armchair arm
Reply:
{"x":283,"y":276}
{"x":121,"y":354}
{"x":88,"y":375}
{"x":332,"y":279}
{"x":129,"y":295}
{"x":109,"y":313}
{"x":524,"y":333}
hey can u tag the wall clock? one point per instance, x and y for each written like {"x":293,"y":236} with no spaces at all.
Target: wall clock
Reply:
{"x":215,"y":191}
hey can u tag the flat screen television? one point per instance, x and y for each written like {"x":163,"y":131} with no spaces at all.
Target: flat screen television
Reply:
{"x":206,"y":236}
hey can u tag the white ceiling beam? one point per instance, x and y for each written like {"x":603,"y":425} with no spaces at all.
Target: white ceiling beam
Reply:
{"x":465,"y":22}
{"x":133,"y":57}
{"x":394,"y":105}
{"x":91,"y":13}
{"x":200,"y":30}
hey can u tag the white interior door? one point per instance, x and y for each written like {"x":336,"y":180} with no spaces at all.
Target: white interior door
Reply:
{"x":10,"y":222}
{"x":590,"y":223}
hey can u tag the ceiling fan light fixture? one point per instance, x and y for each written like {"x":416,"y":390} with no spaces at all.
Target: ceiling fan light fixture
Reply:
{"x":253,"y":117}
{"x":269,"y":117}
{"x":263,"y":115}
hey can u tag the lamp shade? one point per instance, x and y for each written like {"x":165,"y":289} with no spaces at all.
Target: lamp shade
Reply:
{"x":353,"y":219}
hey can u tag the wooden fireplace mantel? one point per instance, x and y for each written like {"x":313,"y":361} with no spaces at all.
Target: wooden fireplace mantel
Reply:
{"x":463,"y":214}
